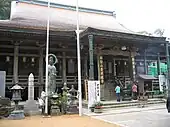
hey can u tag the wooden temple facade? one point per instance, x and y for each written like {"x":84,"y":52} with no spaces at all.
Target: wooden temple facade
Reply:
{"x":108,"y":50}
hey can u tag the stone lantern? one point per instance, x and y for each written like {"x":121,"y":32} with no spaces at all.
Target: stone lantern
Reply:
{"x":73,"y":93}
{"x":16,"y":97}
{"x":65,"y":88}
{"x":72,"y":98}
{"x":65,"y":95}
{"x":55,"y":104}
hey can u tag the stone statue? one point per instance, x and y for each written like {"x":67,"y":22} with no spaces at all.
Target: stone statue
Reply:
{"x":52,"y":73}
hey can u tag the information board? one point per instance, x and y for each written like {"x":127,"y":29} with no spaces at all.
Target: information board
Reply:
{"x":93,"y":92}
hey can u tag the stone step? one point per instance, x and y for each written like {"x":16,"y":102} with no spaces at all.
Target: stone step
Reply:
{"x":113,"y":104}
{"x":131,"y":104}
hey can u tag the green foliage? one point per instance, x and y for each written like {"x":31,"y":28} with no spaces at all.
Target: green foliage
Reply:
{"x":62,"y":99}
{"x":5,"y":8}
{"x":97,"y":105}
{"x":57,"y":101}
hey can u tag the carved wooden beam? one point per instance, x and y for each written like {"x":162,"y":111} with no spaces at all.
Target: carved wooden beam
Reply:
{"x":16,"y":43}
{"x":39,"y":44}
{"x":37,"y":48}
{"x":115,"y":53}
{"x":99,"y":46}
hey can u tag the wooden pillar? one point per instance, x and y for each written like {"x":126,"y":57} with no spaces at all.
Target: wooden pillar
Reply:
{"x":158,"y":64}
{"x":41,"y":65}
{"x":98,"y":66}
{"x":64,"y":67}
{"x":41,"y":71}
{"x":15,"y":64}
{"x":132,"y":67}
{"x":85,"y":67}
{"x":86,"y":77}
{"x":168,"y":67}
{"x":114,"y":65}
{"x":145,"y":64}
{"x":91,"y":63}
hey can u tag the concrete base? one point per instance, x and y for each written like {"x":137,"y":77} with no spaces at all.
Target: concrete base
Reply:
{"x":97,"y":110}
{"x":31,"y":108}
{"x":17,"y":115}
{"x":73,"y":109}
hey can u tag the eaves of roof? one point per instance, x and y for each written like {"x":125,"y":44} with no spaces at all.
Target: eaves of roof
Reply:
{"x":68,"y":7}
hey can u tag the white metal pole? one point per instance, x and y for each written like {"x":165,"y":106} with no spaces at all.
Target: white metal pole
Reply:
{"x":79,"y":61}
{"x":46,"y":68}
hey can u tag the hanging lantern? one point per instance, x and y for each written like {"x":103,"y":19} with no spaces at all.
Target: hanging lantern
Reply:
{"x":140,"y":63}
{"x":125,"y":63}
{"x":81,"y":46}
{"x":32,"y":59}
{"x":7,"y":59}
{"x":123,"y":48}
{"x":24,"y":59}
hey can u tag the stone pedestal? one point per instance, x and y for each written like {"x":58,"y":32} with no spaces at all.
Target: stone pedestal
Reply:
{"x":98,"y":110}
{"x":31,"y":107}
{"x":16,"y":115}
{"x":55,"y":110}
{"x":73,"y":109}
{"x":55,"y":105}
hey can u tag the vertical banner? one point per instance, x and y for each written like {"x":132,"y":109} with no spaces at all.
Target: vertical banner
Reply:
{"x":93,"y":92}
{"x":97,"y":90}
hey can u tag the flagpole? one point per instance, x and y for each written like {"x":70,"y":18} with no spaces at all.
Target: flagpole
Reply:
{"x":47,"y":51}
{"x":79,"y":61}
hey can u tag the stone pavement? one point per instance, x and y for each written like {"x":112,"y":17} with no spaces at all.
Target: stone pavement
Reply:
{"x":155,"y":116}
{"x":125,"y":110}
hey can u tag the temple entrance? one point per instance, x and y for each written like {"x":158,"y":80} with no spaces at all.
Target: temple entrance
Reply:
{"x":116,"y":70}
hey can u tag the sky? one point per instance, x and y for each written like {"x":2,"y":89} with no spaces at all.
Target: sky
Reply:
{"x":136,"y":15}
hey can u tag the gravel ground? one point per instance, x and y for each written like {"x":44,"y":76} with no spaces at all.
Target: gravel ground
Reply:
{"x":56,"y":121}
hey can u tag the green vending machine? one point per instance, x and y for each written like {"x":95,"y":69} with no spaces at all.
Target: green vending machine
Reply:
{"x":152,"y":68}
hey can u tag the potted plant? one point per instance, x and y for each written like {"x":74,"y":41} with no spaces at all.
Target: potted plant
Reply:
{"x":98,"y":106}
{"x":92,"y":108}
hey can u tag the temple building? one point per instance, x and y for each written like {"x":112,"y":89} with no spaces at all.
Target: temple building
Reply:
{"x":108,"y":49}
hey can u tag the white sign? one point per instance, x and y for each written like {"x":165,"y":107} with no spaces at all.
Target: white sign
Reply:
{"x":162,"y":81}
{"x":93,"y":92}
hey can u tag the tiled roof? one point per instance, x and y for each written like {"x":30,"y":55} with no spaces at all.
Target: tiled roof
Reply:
{"x":35,"y":16}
